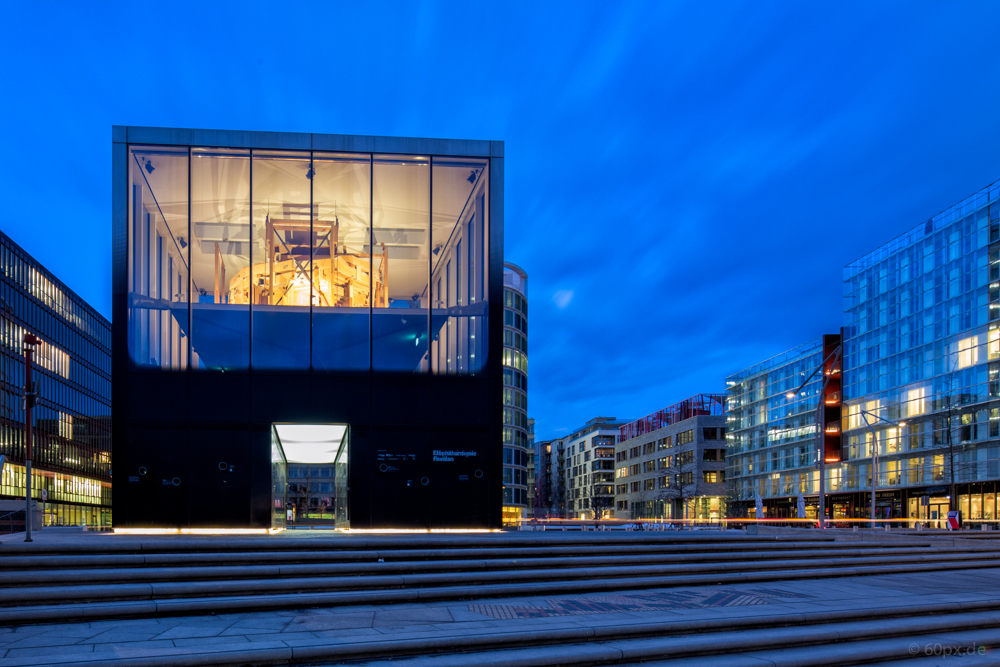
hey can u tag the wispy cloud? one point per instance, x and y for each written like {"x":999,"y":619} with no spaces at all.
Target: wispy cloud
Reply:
{"x":562,"y":298}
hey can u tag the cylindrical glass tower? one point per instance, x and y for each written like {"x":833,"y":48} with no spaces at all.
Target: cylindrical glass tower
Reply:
{"x":515,"y":393}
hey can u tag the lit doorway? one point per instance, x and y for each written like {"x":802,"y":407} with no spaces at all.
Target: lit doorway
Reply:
{"x":317,"y":457}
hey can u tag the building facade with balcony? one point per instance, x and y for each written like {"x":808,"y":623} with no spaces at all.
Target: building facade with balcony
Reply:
{"x":71,"y":443}
{"x":670,"y":465}
{"x":589,"y":469}
{"x":517,"y":433}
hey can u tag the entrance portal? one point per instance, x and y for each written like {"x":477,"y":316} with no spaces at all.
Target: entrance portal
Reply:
{"x":324,"y":449}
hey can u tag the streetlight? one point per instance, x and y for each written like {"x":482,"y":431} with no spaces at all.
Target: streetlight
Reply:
{"x":821,"y":422}
{"x":30,"y":397}
{"x":864,"y":415}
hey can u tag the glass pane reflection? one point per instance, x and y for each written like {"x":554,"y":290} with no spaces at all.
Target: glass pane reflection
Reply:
{"x":341,"y":267}
{"x":401,"y":221}
{"x":158,"y":257}
{"x":280,"y":278}
{"x":220,"y":258}
{"x":458,"y":266}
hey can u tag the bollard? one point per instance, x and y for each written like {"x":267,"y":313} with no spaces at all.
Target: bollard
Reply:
{"x":855,"y":529}
{"x":887,"y":528}
{"x":920,"y":527}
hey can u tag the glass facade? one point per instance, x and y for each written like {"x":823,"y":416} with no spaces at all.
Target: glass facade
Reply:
{"x":335,"y":262}
{"x":921,"y":350}
{"x":71,"y":452}
{"x":771,"y":439}
{"x":922,"y":346}
{"x":516,"y":438}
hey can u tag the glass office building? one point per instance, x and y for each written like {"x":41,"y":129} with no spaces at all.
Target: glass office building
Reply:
{"x":771,"y":438}
{"x":307,"y":299}
{"x":71,"y":449}
{"x":922,"y":345}
{"x":515,"y":393}
{"x":921,"y":360}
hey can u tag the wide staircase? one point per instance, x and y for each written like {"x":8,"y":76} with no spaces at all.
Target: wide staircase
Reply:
{"x":112,"y":578}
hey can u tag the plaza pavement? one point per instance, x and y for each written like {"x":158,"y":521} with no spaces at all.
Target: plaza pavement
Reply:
{"x":330,"y":635}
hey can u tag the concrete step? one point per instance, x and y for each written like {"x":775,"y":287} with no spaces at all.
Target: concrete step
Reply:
{"x":842,"y":637}
{"x":110,"y":544}
{"x":107,"y":601}
{"x":136,"y":571}
{"x":17,"y":556}
{"x":233,"y":558}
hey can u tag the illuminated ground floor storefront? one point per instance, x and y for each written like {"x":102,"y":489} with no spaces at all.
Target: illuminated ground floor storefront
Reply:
{"x":512,"y":515}
{"x":70,"y":500}
{"x":978,"y":502}
{"x":698,"y":508}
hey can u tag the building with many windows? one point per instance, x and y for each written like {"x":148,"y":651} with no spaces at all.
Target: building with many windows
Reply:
{"x":920,"y":368}
{"x":589,"y":469}
{"x":71,"y":444}
{"x":922,"y":347}
{"x":772,"y":438}
{"x":326,"y":300}
{"x":516,"y":430}
{"x":671,"y":464}
{"x":312,"y":492}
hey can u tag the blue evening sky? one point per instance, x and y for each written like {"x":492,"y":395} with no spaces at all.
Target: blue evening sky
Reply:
{"x":684,"y":180}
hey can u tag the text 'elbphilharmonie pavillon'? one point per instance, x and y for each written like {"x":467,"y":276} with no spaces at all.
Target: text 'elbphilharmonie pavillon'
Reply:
{"x":312,"y":298}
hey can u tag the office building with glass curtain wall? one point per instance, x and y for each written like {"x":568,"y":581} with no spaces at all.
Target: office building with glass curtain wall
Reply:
{"x":307,"y":299}
{"x":921,"y":356}
{"x":771,"y":438}
{"x":922,"y":345}
{"x":515,"y":393}
{"x":71,"y":450}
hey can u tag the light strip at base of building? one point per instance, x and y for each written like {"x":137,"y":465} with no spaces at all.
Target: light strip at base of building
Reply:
{"x":375,"y":531}
{"x":197,"y":531}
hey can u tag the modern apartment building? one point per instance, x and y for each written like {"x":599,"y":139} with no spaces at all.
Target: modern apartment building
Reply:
{"x":516,"y":429}
{"x":589,"y":469}
{"x":71,"y":444}
{"x":550,"y":496}
{"x":920,"y":369}
{"x":671,"y":464}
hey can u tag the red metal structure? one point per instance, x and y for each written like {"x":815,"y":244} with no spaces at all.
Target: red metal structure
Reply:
{"x":699,"y":404}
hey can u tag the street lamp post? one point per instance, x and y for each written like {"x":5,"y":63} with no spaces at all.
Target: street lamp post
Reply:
{"x":821,"y":423}
{"x":30,"y":395}
{"x":865,"y":415}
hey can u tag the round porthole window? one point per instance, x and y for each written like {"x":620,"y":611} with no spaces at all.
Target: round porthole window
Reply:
{"x":425,"y":480}
{"x":383,"y":467}
{"x":479,"y":473}
{"x":142,"y":470}
{"x":223,"y":465}
{"x":176,"y":481}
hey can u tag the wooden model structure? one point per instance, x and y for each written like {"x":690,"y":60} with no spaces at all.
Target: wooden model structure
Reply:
{"x":290,"y":270}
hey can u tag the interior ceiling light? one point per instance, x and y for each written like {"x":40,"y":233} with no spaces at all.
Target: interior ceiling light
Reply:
{"x":149,"y":166}
{"x":311,"y":443}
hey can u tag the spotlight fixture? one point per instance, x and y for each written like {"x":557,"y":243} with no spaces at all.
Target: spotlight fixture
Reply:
{"x":472,"y":176}
{"x":149,"y":166}
{"x":183,"y":244}
{"x":310,"y":173}
{"x":437,"y":249}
